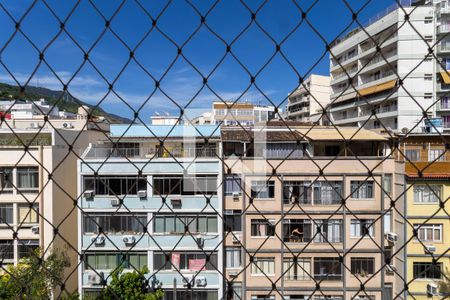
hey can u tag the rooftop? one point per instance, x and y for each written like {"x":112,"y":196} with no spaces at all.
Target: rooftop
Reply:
{"x":144,"y":130}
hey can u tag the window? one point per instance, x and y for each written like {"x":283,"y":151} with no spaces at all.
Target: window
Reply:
{"x":362,"y":266}
{"x":297,"y":268}
{"x":111,"y":261}
{"x":177,"y":224}
{"x":187,"y":185}
{"x":233,"y":220}
{"x":327,"y":268}
{"x":6,"y":249}
{"x":115,"y":185}
{"x":233,"y":292}
{"x":6,"y":180}
{"x":28,"y":179}
{"x":412,"y":155}
{"x":436,"y":155}
{"x":263,"y":189}
{"x":330,"y":231}
{"x":387,"y":221}
{"x":427,"y":270}
{"x":192,"y":294}
{"x":6,"y":213}
{"x":263,"y":266}
{"x":361,"y":189}
{"x":114,"y":223}
{"x":387,"y":184}
{"x":328,"y":297}
{"x":429,"y":232}
{"x":297,"y":192}
{"x":362,"y":227}
{"x":297,"y":230}
{"x":262,"y":227}
{"x":328,"y":192}
{"x":427,"y":193}
{"x":428,"y":77}
{"x":232,"y":185}
{"x":184,"y":261}
{"x":28,"y":215}
{"x":428,"y":20}
{"x":233,"y":257}
{"x":26,"y":247}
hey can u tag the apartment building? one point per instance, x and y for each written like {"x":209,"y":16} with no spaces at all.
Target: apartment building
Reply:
{"x":243,"y":113}
{"x":427,"y":177}
{"x":38,"y":193}
{"x":151,"y":196}
{"x":385,"y":70}
{"x":307,"y":103}
{"x":289,"y":234}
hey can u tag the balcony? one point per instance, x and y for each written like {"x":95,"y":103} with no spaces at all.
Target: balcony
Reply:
{"x":443,"y":28}
{"x":445,"y":8}
{"x":177,"y":152}
{"x":444,"y":46}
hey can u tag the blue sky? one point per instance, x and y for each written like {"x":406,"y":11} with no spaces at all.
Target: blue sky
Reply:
{"x":304,"y":49}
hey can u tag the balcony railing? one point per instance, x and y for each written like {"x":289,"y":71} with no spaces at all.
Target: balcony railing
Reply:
{"x":178,"y":152}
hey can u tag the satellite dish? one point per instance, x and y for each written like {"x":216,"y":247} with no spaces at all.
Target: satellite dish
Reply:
{"x":405,"y":130}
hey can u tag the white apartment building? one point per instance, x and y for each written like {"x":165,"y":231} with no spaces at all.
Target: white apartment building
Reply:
{"x":308,"y":101}
{"x":396,"y":81}
{"x":243,"y":113}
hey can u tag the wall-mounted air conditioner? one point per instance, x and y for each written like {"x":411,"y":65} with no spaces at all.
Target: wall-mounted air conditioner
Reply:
{"x":429,"y":249}
{"x":142,"y":194}
{"x":89,"y":194}
{"x":129,"y":240}
{"x":115,"y":202}
{"x":391,"y":237}
{"x":98,"y":240}
{"x":200,"y":281}
{"x":35,"y":229}
{"x":432,"y":289}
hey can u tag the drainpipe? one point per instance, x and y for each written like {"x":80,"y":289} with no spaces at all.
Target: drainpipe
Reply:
{"x":41,"y":195}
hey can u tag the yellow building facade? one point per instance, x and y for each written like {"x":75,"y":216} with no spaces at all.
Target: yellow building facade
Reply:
{"x":427,"y":214}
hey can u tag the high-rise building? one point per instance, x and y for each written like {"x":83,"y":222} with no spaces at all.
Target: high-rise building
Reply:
{"x":151,"y":196}
{"x":383,"y":76}
{"x":307,"y":219}
{"x":307,"y":103}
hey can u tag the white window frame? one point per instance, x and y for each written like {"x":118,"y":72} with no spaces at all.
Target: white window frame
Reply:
{"x":426,"y":193}
{"x":425,"y":228}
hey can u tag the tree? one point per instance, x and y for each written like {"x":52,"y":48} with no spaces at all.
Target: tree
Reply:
{"x":34,"y":277}
{"x":131,"y":286}
{"x":444,"y":284}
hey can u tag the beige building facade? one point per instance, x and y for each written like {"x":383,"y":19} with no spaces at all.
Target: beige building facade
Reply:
{"x":304,"y":218}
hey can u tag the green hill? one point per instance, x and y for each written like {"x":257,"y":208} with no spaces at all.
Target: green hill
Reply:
{"x":67,"y":103}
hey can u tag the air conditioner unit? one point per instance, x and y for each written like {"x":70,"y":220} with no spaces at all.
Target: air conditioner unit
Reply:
{"x":188,"y":279}
{"x":391,"y":237}
{"x":129,"y":240}
{"x":142,"y":194}
{"x":200,"y":281}
{"x":236,"y":239}
{"x":34,"y":125}
{"x":67,"y":125}
{"x":233,"y":274}
{"x":35,"y":229}
{"x":429,"y":249}
{"x":89,"y":194}
{"x":176,"y":203}
{"x":115,"y":202}
{"x":98,"y":240}
{"x":94,"y":278}
{"x":432,"y":289}
{"x":235,"y":196}
{"x":390,"y":269}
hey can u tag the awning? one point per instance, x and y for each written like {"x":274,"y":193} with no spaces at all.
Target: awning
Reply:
{"x":445,"y":77}
{"x":378,"y":88}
